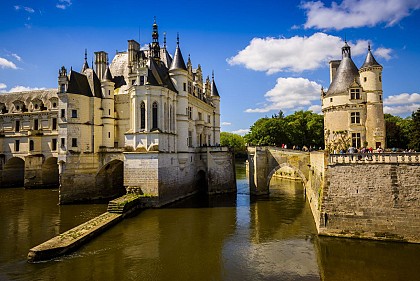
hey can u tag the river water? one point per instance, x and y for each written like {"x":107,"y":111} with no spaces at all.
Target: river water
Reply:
{"x":232,"y":237}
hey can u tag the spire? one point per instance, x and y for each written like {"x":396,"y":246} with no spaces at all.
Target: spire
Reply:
{"x":155,"y":41}
{"x":178,"y":61}
{"x":214,"y":91}
{"x":164,"y":40}
{"x":107,"y":74}
{"x":85,"y":65}
{"x":370,"y":59}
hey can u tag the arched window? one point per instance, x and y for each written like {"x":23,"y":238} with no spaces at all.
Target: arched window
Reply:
{"x":154,"y":115}
{"x":142,"y":116}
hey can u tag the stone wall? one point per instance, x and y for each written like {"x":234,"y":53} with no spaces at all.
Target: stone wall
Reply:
{"x":376,"y":201}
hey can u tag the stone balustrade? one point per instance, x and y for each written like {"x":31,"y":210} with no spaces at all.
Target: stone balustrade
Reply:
{"x":359,"y":158}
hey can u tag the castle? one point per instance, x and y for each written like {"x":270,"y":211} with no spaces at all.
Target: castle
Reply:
{"x":147,"y":123}
{"x":352,"y":105}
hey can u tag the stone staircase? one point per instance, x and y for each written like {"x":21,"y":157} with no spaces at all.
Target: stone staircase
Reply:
{"x":115,"y":207}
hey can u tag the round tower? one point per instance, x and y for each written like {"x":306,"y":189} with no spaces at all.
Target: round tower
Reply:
{"x":108,"y":119}
{"x":179,"y":75}
{"x":371,"y":82}
{"x":215,"y":97}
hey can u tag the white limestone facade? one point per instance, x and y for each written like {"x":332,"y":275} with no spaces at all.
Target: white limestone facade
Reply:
{"x":145,"y":106}
{"x":353,"y":104}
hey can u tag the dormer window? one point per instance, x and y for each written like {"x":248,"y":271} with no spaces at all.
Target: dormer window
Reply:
{"x":355,"y":94}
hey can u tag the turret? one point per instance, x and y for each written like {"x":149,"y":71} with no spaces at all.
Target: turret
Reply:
{"x":108,"y":120}
{"x":63,"y":80}
{"x":179,"y":75}
{"x":215,"y":97}
{"x":371,"y":81}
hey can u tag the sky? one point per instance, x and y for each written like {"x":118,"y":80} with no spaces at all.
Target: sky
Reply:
{"x":266,"y":56}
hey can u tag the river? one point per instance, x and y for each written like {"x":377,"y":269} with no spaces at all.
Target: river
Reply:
{"x":234,"y":237}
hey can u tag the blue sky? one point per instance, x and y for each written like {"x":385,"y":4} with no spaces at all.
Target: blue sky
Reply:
{"x":266,"y":55}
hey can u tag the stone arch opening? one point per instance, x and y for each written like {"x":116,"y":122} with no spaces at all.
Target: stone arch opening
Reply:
{"x":14,"y":173}
{"x":296,"y":171}
{"x":201,"y":182}
{"x":109,"y":180}
{"x":50,"y":175}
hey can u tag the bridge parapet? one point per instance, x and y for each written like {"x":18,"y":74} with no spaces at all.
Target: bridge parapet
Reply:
{"x":366,"y":158}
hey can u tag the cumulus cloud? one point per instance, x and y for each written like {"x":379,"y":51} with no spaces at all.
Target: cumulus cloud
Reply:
{"x":357,"y":13}
{"x":316,"y":108}
{"x":241,"y":132}
{"x":63,"y":4}
{"x":294,"y":54}
{"x":402,"y":104}
{"x":4,"y":63}
{"x":3,"y":86}
{"x":24,"y":89}
{"x":290,"y":94}
{"x":226,"y":124}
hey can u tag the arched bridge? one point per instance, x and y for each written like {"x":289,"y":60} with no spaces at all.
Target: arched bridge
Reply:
{"x":264,"y":161}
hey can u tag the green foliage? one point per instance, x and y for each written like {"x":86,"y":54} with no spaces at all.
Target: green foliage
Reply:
{"x":403,"y":133}
{"x":300,"y":128}
{"x":234,"y":141}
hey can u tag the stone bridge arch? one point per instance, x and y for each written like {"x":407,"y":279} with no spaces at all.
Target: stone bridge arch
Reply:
{"x":13,"y":172}
{"x":297,"y":171}
{"x":264,"y":161}
{"x":109,"y":181}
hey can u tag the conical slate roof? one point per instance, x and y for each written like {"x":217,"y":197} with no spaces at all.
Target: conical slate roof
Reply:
{"x":178,"y":61}
{"x":346,"y":73}
{"x":214,"y":91}
{"x":107,"y":75}
{"x":370,"y":60}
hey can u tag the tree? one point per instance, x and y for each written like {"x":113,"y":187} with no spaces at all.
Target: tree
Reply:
{"x":414,"y":133}
{"x":300,"y":128}
{"x":234,"y":141}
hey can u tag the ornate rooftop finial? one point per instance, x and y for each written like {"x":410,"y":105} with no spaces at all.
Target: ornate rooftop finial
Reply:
{"x":177,"y":41}
{"x":164,"y":40}
{"x":212,"y":75}
{"x":369,"y":46}
{"x":85,"y":65}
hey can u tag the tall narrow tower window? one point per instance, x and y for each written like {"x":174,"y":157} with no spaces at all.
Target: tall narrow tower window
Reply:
{"x":142,"y":116}
{"x":31,"y":145}
{"x":154,"y":115}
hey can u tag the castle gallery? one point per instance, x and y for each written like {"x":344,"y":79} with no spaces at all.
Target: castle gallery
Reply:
{"x":146,"y":123}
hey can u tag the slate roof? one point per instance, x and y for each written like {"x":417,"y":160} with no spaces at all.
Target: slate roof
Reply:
{"x":178,"y":61}
{"x":370,"y":60}
{"x":159,"y":75}
{"x":346,"y":73}
{"x":79,"y":84}
{"x":214,"y":91}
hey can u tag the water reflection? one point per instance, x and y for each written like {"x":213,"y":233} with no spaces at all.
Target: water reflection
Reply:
{"x":234,"y":237}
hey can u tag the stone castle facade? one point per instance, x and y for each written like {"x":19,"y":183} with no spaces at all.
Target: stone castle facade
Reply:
{"x":146,"y":121}
{"x":353,"y":104}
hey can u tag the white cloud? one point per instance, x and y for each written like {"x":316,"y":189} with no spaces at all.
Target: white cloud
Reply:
{"x":357,"y":13}
{"x":226,"y":124}
{"x":27,"y":9}
{"x":241,"y":132}
{"x":293,"y":54}
{"x":4,"y":63}
{"x":3,"y":86}
{"x":63,"y":4}
{"x":24,"y":89}
{"x":383,"y":53}
{"x":402,"y":104}
{"x":291,"y":94}
{"x":16,"y":57}
{"x":316,"y":108}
